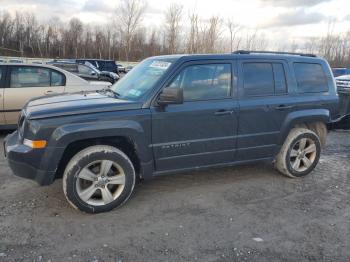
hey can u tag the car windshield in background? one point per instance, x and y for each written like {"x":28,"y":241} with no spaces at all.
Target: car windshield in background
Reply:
{"x":141,"y":79}
{"x":88,"y":64}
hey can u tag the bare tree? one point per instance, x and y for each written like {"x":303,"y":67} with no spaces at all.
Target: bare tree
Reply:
{"x":22,"y":34}
{"x":233,"y":30}
{"x":130,"y":14}
{"x":212,"y":34}
{"x":193,"y":37}
{"x":172,"y":21}
{"x":75,"y":32}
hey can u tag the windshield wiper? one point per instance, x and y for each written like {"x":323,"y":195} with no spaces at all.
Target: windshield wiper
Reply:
{"x":108,"y":90}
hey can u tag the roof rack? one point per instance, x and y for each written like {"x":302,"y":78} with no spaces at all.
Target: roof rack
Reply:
{"x":245,"y":52}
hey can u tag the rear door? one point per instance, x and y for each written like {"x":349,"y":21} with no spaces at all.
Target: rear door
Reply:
{"x":2,"y":89}
{"x":264,"y":105}
{"x":26,"y":82}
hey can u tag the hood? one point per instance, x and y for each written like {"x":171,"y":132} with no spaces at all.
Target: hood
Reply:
{"x":75,"y":104}
{"x":100,"y":84}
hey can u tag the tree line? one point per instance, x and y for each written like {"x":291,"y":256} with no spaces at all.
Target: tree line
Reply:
{"x":128,"y":39}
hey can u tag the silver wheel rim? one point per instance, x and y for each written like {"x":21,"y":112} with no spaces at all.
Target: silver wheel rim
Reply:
{"x":303,"y":154}
{"x":100,"y":183}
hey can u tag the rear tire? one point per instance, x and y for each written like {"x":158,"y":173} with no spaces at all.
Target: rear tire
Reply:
{"x":299,"y":154}
{"x":98,"y":179}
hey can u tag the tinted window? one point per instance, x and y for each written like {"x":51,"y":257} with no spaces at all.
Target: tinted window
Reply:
{"x":310,"y":78}
{"x":57,"y":79}
{"x":30,"y":77}
{"x":258,"y":79}
{"x":107,"y":65}
{"x":280,"y":79}
{"x":201,"y":82}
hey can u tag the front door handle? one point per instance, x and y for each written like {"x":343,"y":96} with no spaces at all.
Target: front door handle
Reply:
{"x":283,"y":107}
{"x":223,"y":112}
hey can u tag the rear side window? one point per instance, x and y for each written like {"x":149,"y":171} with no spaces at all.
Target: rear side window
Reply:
{"x":258,"y":79}
{"x":264,"y":79}
{"x":204,"y":82}
{"x":27,"y":76}
{"x":30,"y":77}
{"x":310,"y":78}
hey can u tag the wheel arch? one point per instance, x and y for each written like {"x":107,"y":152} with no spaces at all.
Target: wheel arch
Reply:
{"x":128,"y":136}
{"x":124,"y":143}
{"x":304,"y":118}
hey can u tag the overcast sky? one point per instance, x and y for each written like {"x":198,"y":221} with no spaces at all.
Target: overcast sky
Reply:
{"x":279,"y":20}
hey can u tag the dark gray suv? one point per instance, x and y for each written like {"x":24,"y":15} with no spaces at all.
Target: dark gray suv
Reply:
{"x":177,"y":113}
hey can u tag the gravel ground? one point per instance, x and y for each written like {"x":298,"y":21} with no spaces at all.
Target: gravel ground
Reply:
{"x":245,"y":213}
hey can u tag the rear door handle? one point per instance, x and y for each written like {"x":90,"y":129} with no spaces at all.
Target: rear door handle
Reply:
{"x":283,"y":107}
{"x":223,"y":112}
{"x":50,"y":92}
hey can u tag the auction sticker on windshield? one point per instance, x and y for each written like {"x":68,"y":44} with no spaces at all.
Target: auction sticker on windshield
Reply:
{"x":160,"y":64}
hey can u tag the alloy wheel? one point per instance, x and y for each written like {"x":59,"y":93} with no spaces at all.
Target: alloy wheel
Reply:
{"x":303,"y":154}
{"x":100,"y":182}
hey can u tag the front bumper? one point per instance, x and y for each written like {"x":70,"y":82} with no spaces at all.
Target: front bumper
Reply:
{"x":25,"y":162}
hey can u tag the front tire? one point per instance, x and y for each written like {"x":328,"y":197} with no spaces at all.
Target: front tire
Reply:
{"x":299,"y":154}
{"x":99,"y":179}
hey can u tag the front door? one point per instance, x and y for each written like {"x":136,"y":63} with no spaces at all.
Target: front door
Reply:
{"x":201,"y":131}
{"x":24,"y":83}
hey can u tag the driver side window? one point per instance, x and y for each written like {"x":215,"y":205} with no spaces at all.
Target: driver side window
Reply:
{"x":204,"y":82}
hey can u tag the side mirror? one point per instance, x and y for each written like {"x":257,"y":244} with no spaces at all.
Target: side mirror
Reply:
{"x":93,"y":73}
{"x":171,"y":95}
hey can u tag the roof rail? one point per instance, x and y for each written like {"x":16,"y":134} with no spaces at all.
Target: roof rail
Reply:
{"x":246,"y":52}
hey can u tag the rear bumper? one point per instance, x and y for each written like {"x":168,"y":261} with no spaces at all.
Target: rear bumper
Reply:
{"x":25,"y":161}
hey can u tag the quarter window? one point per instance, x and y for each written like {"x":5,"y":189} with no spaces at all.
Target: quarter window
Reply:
{"x":204,"y":82}
{"x":310,"y":78}
{"x":57,"y":79}
{"x":280,"y":79}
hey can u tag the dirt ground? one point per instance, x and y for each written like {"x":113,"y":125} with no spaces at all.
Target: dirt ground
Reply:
{"x":245,"y":213}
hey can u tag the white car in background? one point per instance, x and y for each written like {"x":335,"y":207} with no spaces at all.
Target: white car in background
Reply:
{"x":21,"y":82}
{"x":343,"y":81}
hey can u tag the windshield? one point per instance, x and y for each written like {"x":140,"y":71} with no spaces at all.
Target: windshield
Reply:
{"x":141,"y":79}
{"x":92,"y":67}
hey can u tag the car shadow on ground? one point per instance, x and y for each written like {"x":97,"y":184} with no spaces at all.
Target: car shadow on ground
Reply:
{"x":241,"y":184}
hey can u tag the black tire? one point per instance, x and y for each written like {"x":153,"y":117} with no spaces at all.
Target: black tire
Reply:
{"x":284,"y":159}
{"x":85,"y":158}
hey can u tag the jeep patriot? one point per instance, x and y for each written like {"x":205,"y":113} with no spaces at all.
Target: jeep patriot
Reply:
{"x":177,"y":113}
